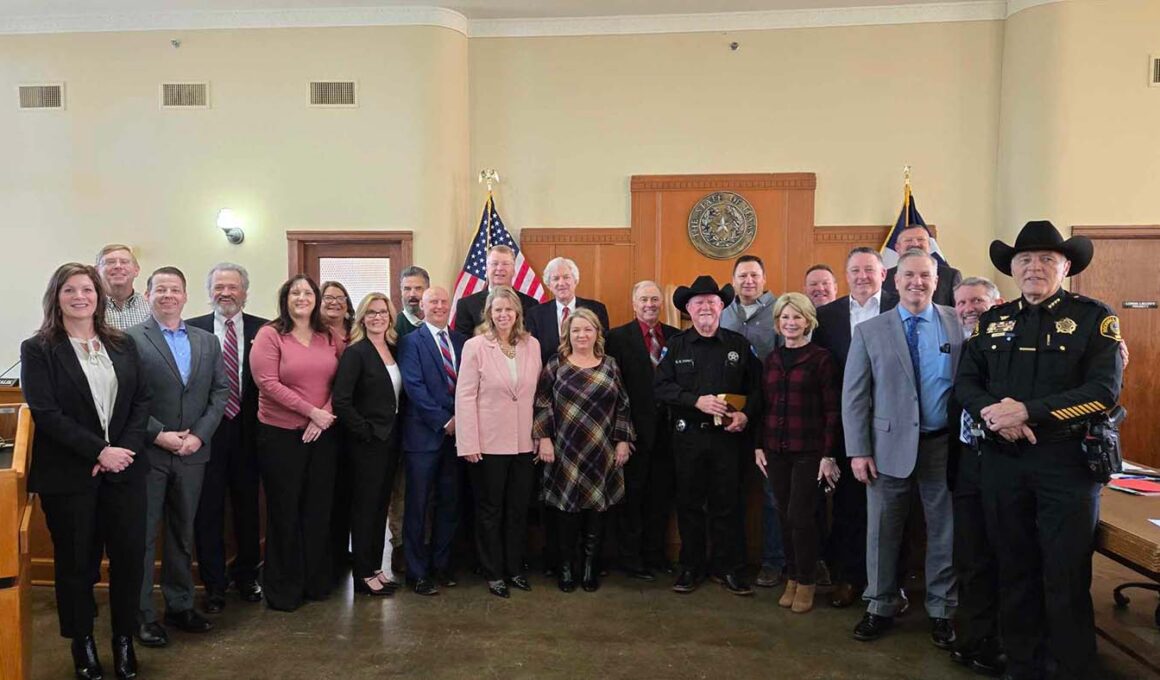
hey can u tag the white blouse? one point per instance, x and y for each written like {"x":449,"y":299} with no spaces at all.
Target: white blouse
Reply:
{"x":102,"y":378}
{"x":396,"y":382}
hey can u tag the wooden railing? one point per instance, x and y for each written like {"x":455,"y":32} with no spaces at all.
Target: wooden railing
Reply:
{"x":16,"y":506}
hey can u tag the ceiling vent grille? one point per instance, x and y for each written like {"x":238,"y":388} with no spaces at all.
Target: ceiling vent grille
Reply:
{"x":1154,"y":71}
{"x":42,"y":97}
{"x":185,"y":95}
{"x":334,"y":93}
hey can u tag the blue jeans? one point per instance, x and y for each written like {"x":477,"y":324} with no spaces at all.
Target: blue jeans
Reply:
{"x":772,"y":552}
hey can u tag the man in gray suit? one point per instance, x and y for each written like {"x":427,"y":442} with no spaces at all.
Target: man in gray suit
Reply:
{"x":899,"y":375}
{"x":187,"y":379}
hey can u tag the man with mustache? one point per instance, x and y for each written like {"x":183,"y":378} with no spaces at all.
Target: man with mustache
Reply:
{"x":641,"y":520}
{"x":233,"y":468}
{"x":413,"y":281}
{"x":896,"y":426}
{"x":705,"y":373}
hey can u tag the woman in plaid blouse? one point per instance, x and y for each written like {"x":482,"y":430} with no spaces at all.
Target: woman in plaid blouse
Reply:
{"x":802,"y":391}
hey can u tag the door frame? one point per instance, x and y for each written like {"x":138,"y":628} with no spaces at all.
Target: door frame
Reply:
{"x":297,"y":243}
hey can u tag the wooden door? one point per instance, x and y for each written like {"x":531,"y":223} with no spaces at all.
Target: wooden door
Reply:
{"x":1125,"y":275}
{"x":363,"y":261}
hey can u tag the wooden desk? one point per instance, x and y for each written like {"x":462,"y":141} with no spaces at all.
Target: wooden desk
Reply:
{"x":15,"y":563}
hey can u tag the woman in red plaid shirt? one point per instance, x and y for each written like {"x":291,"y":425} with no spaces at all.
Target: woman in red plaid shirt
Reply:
{"x":802,"y":391}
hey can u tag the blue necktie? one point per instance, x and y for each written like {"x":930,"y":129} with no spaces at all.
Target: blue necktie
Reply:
{"x":912,"y":345}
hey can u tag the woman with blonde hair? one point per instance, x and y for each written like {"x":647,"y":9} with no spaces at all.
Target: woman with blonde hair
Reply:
{"x":493,"y":412}
{"x":367,"y":392}
{"x":584,"y":431}
{"x":801,"y":421}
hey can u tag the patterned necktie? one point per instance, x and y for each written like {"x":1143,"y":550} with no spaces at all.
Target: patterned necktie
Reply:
{"x":654,"y":347}
{"x":912,"y":345}
{"x":563,"y":318}
{"x":448,"y":361}
{"x":230,"y":357}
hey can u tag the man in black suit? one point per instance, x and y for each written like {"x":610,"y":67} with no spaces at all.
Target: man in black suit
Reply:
{"x":641,"y":520}
{"x":846,"y":548}
{"x":916,"y":236}
{"x":233,"y":466}
{"x":501,"y":269}
{"x":543,"y":321}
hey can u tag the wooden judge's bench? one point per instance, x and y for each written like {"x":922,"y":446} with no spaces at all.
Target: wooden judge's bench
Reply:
{"x":16,"y":511}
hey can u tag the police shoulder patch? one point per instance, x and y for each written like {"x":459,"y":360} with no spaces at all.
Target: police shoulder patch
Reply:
{"x":1110,"y":328}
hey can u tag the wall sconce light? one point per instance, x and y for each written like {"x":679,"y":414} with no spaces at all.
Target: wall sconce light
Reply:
{"x":229,"y":222}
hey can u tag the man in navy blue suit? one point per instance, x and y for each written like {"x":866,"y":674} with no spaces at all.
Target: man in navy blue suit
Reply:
{"x":429,"y":362}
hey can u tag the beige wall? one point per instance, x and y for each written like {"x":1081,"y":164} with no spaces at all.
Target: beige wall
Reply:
{"x":569,"y":120}
{"x":114,"y":167}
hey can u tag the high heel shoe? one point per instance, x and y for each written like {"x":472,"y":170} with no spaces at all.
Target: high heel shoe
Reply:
{"x":373,"y":587}
{"x":124,"y":658}
{"x":387,"y":580}
{"x":85,"y":661}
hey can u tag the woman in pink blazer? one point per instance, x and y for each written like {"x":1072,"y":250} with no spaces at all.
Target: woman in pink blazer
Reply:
{"x":493,"y":427}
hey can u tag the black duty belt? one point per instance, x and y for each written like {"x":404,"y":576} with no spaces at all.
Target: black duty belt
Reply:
{"x":688,"y":424}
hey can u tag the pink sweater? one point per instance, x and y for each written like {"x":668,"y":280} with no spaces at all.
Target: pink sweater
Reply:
{"x":292,"y":379}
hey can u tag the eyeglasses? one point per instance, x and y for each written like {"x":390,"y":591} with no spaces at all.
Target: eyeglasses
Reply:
{"x":376,"y":314}
{"x":334,"y":298}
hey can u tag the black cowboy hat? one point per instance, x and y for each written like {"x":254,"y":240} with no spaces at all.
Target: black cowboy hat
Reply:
{"x":703,"y":285}
{"x":1042,"y":235}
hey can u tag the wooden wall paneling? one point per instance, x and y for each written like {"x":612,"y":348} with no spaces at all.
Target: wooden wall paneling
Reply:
{"x":604,"y":256}
{"x":832,"y":244}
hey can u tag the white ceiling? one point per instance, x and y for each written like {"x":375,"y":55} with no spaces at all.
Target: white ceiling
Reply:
{"x":472,"y":9}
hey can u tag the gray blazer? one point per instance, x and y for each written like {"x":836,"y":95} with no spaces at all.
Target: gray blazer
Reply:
{"x":879,"y":397}
{"x":197,"y":406}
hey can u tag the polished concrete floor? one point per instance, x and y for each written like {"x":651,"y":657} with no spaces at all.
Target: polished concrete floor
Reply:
{"x":625,"y":630}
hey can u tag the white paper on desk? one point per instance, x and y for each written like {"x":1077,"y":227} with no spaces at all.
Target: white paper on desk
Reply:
{"x":1130,"y":467}
{"x":1155,"y":521}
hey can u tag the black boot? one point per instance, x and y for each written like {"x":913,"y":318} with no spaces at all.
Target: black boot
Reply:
{"x":124,"y":658}
{"x":85,"y":661}
{"x":594,"y":524}
{"x":568,"y":529}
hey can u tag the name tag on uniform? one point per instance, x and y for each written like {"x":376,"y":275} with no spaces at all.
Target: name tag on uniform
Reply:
{"x":997,"y":328}
{"x":684,"y":362}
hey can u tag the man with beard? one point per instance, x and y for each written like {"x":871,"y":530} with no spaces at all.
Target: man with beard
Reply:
{"x":412,"y":282}
{"x":233,"y":468}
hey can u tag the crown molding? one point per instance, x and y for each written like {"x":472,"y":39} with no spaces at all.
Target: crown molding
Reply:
{"x":936,"y":12}
{"x":226,"y":19}
{"x":981,"y":10}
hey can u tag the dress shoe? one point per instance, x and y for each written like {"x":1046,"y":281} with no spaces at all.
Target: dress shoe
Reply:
{"x":872,"y":626}
{"x":639,"y":574}
{"x":445,"y":578}
{"x":520,"y":581}
{"x":152,"y":635}
{"x":844,"y":595}
{"x":990,"y":662}
{"x":567,"y":580}
{"x":942,"y":633}
{"x":786,"y":599}
{"x":687,"y":582}
{"x":499,"y":589}
{"x":85,"y":662}
{"x":372,"y":586}
{"x":189,"y":621}
{"x":803,"y":600}
{"x":426,"y":587}
{"x":250,"y":591}
{"x":124,"y":658}
{"x":768,"y":577}
{"x":215,"y":601}
{"x":735,"y":584}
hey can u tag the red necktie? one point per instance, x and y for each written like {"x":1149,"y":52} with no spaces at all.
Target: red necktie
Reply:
{"x":230,"y":357}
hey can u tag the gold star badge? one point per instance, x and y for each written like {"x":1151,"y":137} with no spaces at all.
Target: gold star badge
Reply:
{"x":1065,"y":325}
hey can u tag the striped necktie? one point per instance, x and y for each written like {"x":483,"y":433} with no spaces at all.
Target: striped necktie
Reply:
{"x":230,"y":358}
{"x":448,"y":361}
{"x":654,"y":347}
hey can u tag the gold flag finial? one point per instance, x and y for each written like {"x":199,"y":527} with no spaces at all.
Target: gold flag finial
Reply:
{"x":490,"y":177}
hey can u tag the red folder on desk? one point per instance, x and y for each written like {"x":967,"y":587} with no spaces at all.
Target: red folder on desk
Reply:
{"x":1140,"y":487}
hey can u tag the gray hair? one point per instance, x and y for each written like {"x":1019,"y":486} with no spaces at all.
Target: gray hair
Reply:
{"x":556,"y":262}
{"x":865,"y":250}
{"x":641,"y":284}
{"x":917,"y":253}
{"x":227,"y":267}
{"x":415,"y":270}
{"x":991,"y":288}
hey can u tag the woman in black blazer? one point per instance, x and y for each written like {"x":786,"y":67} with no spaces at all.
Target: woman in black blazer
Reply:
{"x":82,"y":380}
{"x":366,"y":399}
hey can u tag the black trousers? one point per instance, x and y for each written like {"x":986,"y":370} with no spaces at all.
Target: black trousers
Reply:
{"x":232,"y":469}
{"x":500,"y":486}
{"x":641,"y":520}
{"x":372,"y":467}
{"x":846,"y":547}
{"x":707,"y":464}
{"x":110,"y":515}
{"x":794,"y":478}
{"x":299,"y":482}
{"x":1042,"y":507}
{"x":340,"y":520}
{"x":976,"y":566}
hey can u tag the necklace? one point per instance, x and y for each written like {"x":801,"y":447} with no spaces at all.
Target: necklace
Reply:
{"x":509,"y":351}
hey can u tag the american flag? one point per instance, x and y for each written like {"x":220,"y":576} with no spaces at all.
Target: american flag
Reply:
{"x":473,"y":277}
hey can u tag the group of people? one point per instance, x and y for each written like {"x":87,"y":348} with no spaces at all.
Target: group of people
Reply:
{"x":918,"y":389}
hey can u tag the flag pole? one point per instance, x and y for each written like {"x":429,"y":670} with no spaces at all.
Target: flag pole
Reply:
{"x":490,"y":177}
{"x":906,"y":194}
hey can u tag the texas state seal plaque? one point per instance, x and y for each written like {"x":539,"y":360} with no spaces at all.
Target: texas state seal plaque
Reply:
{"x":722,"y":225}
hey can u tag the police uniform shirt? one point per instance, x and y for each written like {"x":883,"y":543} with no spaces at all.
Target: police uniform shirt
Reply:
{"x":1060,"y":358}
{"x":694,"y":365}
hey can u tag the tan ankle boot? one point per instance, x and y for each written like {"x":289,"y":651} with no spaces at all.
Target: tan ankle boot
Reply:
{"x":803,"y":599}
{"x":786,"y":600}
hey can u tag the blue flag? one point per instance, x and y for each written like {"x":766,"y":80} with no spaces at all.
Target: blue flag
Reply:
{"x":907,"y":217}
